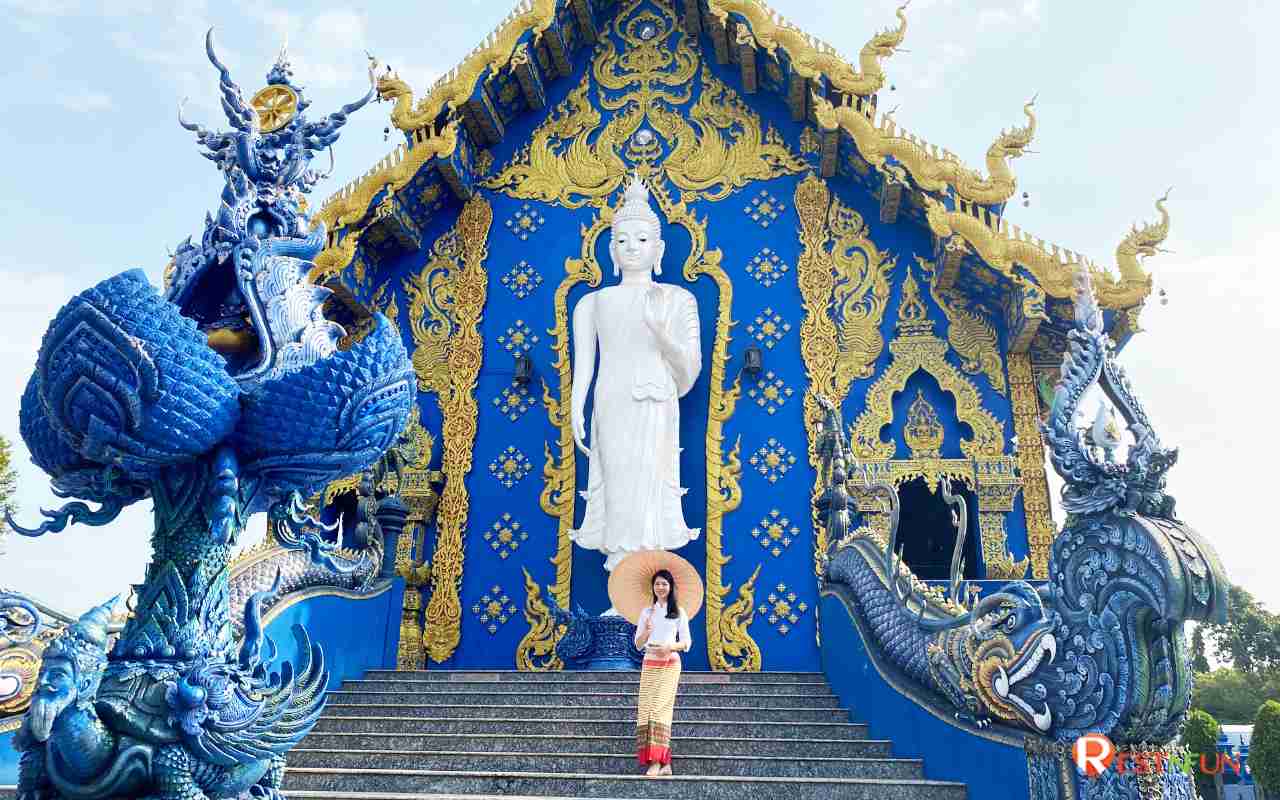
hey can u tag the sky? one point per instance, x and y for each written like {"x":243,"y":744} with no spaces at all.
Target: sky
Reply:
{"x":1131,"y":100}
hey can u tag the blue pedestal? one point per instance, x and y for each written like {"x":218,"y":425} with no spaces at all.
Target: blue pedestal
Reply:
{"x":599,"y":643}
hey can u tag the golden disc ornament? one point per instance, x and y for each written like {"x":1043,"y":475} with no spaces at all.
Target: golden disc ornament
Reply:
{"x":276,"y":106}
{"x":631,"y":583}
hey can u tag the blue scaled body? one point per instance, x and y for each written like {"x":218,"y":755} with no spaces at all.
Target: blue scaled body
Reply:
{"x":232,"y":392}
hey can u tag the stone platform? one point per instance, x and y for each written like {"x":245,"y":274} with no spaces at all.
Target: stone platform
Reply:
{"x":479,"y":735}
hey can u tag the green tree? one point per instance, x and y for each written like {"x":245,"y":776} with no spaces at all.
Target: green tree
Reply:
{"x":1250,"y":639}
{"x":1264,"y":747}
{"x":1199,"y":662}
{"x":8,"y":485}
{"x":1200,"y":735}
{"x":1232,"y":696}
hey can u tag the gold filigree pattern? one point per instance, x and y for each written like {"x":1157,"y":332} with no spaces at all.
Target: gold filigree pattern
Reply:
{"x":860,"y":294}
{"x":916,"y":348}
{"x":971,"y":336}
{"x":819,"y":349}
{"x":466,"y":351}
{"x":716,"y":146}
{"x":1035,"y":486}
{"x":433,"y":312}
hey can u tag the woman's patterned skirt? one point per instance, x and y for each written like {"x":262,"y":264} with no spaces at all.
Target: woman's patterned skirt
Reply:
{"x":659,"y":679}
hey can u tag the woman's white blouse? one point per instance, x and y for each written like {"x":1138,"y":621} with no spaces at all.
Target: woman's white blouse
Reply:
{"x":665,"y":631}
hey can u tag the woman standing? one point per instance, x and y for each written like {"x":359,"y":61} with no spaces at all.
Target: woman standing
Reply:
{"x":663,"y":633}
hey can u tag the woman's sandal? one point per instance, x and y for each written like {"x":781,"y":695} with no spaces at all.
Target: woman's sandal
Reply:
{"x":665,"y":771}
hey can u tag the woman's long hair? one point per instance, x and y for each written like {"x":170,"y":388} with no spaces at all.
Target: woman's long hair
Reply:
{"x":673,"y":608}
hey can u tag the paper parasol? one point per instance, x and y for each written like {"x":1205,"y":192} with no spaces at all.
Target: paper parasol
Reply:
{"x":631,"y":583}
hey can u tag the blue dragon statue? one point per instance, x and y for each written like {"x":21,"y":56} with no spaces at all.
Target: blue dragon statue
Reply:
{"x":236,"y":391}
{"x":1100,"y":646}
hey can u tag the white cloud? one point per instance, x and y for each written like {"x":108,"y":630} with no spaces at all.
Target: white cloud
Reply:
{"x":86,"y":101}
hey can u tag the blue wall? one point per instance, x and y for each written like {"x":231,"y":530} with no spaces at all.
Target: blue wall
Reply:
{"x":990,"y":768}
{"x":357,"y":635}
{"x":8,"y":760}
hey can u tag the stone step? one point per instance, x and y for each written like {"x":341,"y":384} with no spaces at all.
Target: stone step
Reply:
{"x":533,"y":727}
{"x":513,"y":676}
{"x":548,"y":712}
{"x":632,"y":685}
{"x":374,"y":782}
{"x":609,"y":764}
{"x":301,"y":795}
{"x":505,"y":699}
{"x":567,"y":743}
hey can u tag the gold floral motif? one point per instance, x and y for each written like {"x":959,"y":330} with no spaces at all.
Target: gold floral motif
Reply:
{"x":819,"y":348}
{"x":717,"y":146}
{"x":933,"y":170}
{"x":434,"y":312}
{"x":860,"y":294}
{"x":560,"y":163}
{"x":1002,"y":245}
{"x":811,"y":58}
{"x":917,"y":348}
{"x":460,"y":411}
{"x":726,"y":148}
{"x":968,"y":331}
{"x":1035,"y":486}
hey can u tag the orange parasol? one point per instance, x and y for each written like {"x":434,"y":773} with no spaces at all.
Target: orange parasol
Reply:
{"x":631,"y":583}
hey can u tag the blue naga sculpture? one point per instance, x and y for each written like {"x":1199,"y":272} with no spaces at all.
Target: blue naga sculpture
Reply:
{"x":237,"y":391}
{"x":1101,"y":646}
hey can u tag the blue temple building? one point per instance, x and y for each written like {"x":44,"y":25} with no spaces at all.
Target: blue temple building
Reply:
{"x":888,"y":366}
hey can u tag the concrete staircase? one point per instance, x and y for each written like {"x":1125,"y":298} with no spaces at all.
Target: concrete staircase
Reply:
{"x":441,"y":734}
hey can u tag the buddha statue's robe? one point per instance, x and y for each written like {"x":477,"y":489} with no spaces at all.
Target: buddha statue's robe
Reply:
{"x":633,"y":486}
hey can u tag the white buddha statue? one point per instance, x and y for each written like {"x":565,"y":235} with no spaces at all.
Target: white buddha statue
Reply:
{"x":650,"y":355}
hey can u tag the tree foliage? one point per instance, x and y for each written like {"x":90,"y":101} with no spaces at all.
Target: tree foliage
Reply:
{"x":8,"y":486}
{"x":1199,"y":661}
{"x":1250,"y":638}
{"x":1264,"y":747}
{"x":1232,"y":696}
{"x":1200,"y":735}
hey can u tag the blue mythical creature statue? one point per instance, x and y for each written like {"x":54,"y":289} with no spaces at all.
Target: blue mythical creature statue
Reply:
{"x":234,"y":392}
{"x":1101,"y":646}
